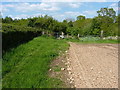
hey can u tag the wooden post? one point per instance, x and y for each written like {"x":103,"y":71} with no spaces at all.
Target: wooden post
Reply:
{"x":101,"y":35}
{"x":67,"y":36}
{"x":62,"y":34}
{"x":43,"y":32}
{"x":78,"y":35}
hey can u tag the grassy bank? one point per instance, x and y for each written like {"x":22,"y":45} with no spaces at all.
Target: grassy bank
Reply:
{"x":27,"y":65}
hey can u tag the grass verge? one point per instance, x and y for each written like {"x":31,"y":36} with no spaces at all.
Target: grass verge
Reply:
{"x":91,"y":40}
{"x":27,"y":65}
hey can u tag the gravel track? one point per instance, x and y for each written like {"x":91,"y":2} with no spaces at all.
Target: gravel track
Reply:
{"x":93,"y":65}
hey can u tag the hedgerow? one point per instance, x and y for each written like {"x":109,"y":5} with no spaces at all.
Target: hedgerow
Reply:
{"x":14,"y":35}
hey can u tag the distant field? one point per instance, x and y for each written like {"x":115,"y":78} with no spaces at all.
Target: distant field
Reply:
{"x":27,"y":65}
{"x":92,"y":40}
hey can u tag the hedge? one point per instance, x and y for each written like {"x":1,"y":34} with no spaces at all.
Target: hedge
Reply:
{"x":13,"y":35}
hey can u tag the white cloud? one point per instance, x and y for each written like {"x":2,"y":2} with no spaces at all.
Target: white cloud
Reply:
{"x":80,"y":0}
{"x":27,"y":7}
{"x":52,"y":9}
{"x":5,"y":10}
{"x":8,"y":5}
{"x":67,"y":15}
{"x":114,"y":6}
{"x":60,"y":0}
{"x":22,"y":16}
{"x":90,"y":12}
{"x":19,"y":16}
{"x":25,"y":16}
{"x":59,"y":17}
{"x":75,"y":5}
{"x":39,"y":7}
{"x":76,"y":0}
{"x":71,"y":13}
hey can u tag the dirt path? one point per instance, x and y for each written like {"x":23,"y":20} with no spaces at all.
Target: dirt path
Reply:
{"x":93,"y":65}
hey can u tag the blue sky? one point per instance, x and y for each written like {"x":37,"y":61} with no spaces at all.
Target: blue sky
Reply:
{"x":58,"y":10}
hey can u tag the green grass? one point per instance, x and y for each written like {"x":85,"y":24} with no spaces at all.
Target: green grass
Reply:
{"x":27,"y":65}
{"x":57,"y":69}
{"x":87,"y":40}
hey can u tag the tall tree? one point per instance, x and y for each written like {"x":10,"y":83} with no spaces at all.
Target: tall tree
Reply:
{"x":107,"y":12}
{"x":102,"y":23}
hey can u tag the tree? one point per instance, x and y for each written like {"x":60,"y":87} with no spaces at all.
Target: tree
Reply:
{"x":107,"y":12}
{"x":72,"y":31}
{"x":7,"y":20}
{"x":31,"y":22}
{"x":70,"y":24}
{"x":95,"y":28}
{"x":102,"y":23}
{"x":64,"y":21}
{"x":80,"y":17}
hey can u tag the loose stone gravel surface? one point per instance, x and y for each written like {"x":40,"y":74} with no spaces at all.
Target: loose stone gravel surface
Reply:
{"x":93,"y":65}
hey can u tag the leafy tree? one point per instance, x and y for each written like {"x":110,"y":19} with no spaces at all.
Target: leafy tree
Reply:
{"x":80,"y":17}
{"x":103,"y":22}
{"x":107,"y":12}
{"x":31,"y":21}
{"x":70,"y":24}
{"x":64,"y":21}
{"x":7,"y":20}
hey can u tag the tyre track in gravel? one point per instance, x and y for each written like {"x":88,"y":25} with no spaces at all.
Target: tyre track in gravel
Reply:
{"x":93,"y":65}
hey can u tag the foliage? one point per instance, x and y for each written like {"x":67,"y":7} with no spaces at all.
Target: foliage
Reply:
{"x":7,"y":20}
{"x":26,"y":29}
{"x":80,"y":17}
{"x":14,"y":35}
{"x":106,"y":21}
{"x":107,"y":12}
